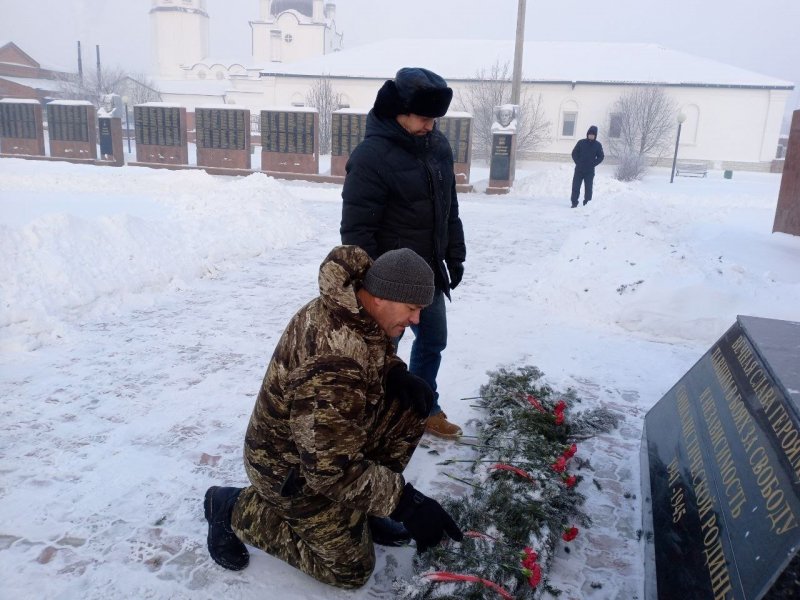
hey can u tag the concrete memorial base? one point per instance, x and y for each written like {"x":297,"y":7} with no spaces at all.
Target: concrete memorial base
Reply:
{"x":720,"y":460}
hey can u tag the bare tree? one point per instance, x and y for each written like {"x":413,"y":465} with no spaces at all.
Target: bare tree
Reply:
{"x":492,"y":87}
{"x":641,"y":128}
{"x":325,"y":99}
{"x":137,"y":87}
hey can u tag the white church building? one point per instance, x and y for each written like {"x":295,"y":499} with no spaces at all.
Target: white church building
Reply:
{"x":732,"y":116}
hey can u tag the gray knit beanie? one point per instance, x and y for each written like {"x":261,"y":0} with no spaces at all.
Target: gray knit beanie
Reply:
{"x":402,"y":276}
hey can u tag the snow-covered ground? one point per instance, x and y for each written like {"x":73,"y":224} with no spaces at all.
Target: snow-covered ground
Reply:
{"x":140,"y":308}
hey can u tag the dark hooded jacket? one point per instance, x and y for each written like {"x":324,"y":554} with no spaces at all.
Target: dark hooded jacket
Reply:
{"x":319,"y":401}
{"x":400,"y":192}
{"x":587,"y":153}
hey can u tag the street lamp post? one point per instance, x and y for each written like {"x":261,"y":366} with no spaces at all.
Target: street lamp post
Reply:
{"x":681,"y":119}
{"x":127,"y":125}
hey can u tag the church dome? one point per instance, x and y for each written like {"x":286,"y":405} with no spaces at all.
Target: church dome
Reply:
{"x":304,"y":7}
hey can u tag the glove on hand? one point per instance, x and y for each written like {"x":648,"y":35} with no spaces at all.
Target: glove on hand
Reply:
{"x":425,"y":519}
{"x":409,"y":390}
{"x":456,"y":270}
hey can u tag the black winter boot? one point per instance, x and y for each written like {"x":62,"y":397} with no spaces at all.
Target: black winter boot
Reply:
{"x":388,"y":532}
{"x":223,"y":545}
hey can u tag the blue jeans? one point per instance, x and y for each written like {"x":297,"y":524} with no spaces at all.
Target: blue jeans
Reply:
{"x":430,"y":339}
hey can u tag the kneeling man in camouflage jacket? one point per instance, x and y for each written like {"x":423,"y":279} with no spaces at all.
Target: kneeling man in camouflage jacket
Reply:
{"x":336,"y":421}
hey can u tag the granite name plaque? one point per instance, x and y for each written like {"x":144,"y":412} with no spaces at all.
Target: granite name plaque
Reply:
{"x":457,"y":132}
{"x":21,"y":127}
{"x":104,"y":133}
{"x":68,"y":123}
{"x":500,"y":167}
{"x":157,"y":125}
{"x":18,"y":121}
{"x":721,"y":471}
{"x":288,"y":132}
{"x":222,"y":129}
{"x":347,"y":132}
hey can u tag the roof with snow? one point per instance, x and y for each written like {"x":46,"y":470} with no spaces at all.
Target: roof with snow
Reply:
{"x":544,"y":62}
{"x":47,"y":85}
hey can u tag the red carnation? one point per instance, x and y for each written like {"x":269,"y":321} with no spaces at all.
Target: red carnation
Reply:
{"x":529,"y":557}
{"x":570,"y":452}
{"x":569,"y":534}
{"x":535,"y":577}
{"x":560,"y":465}
{"x":559,"y":418}
{"x":570,"y":481}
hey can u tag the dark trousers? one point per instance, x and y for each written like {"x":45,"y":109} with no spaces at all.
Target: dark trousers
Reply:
{"x":330,"y":541}
{"x":430,"y":340}
{"x":587,"y":179}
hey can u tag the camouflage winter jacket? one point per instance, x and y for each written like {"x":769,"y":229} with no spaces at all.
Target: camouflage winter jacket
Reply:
{"x":308,"y":441}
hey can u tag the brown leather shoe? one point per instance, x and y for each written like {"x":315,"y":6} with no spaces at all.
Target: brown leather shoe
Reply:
{"x":439,"y":426}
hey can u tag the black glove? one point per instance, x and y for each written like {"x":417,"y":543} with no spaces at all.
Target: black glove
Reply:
{"x":425,"y":519}
{"x":409,"y":390}
{"x":456,"y":270}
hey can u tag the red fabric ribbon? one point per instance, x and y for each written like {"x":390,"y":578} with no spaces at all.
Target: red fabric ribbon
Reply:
{"x":513,"y":469}
{"x":446,"y":576}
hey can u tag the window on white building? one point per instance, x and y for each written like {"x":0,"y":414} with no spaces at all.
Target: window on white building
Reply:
{"x":275,"y":45}
{"x":288,"y":38}
{"x":615,"y":125}
{"x":568,"y":124}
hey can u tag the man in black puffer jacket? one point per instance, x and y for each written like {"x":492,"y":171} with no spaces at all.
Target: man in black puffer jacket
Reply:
{"x":587,"y":154}
{"x":400,"y":192}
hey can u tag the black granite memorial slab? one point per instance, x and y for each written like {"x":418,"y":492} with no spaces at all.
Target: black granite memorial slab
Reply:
{"x":457,"y":132}
{"x":18,"y":121}
{"x":347,"y":132}
{"x":157,"y":125}
{"x":287,"y":132}
{"x":721,"y":471}
{"x":68,"y":123}
{"x":500,"y":166}
{"x":104,"y":133}
{"x":222,"y":129}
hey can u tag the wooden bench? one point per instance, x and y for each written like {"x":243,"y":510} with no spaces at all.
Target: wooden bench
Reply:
{"x":691,"y":170}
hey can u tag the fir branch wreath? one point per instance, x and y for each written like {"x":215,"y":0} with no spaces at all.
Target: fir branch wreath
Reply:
{"x":523,"y":498}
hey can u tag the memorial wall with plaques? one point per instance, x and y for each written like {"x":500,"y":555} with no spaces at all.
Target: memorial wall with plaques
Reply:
{"x":290,"y":141}
{"x":721,"y":471}
{"x":21,"y":127}
{"x":458,"y":131}
{"x":347,"y":132}
{"x":161,"y":134}
{"x":223,"y":137}
{"x":72,"y":129}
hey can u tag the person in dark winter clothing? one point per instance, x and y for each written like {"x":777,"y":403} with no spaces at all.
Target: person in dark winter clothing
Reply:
{"x":336,"y":421}
{"x":587,"y":154}
{"x":400,"y":192}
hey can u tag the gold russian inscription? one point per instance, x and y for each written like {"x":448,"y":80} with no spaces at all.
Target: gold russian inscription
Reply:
{"x":714,"y":553}
{"x":778,"y":511}
{"x":734,"y":491}
{"x":678,"y":500}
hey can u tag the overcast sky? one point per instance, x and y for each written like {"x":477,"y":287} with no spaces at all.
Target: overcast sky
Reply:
{"x":760,"y":35}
